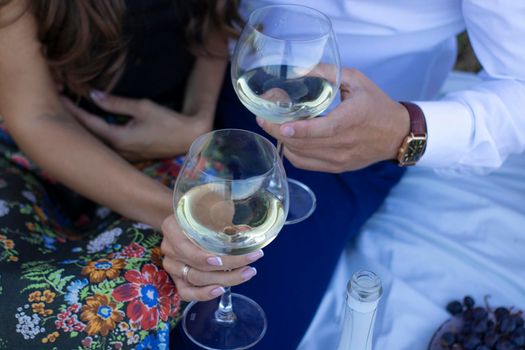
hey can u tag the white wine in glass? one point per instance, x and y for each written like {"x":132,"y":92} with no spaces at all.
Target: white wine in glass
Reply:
{"x":219,"y":222}
{"x":230,"y":198}
{"x":283,"y":93}
{"x":286,"y":67}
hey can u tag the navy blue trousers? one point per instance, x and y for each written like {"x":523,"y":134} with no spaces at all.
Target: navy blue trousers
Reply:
{"x":296,"y":269}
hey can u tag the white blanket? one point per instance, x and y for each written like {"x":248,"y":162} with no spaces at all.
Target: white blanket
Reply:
{"x":434,"y":240}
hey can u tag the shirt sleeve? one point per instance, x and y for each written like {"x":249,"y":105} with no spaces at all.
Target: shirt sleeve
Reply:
{"x":475,"y":130}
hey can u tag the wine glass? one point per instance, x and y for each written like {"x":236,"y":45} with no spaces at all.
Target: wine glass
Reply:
{"x":230,"y":198}
{"x":286,"y":67}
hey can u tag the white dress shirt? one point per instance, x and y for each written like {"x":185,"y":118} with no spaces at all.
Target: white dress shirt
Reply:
{"x":407,"y":47}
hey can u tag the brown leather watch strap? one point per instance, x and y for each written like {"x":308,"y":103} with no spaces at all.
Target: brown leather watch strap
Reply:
{"x":418,"y":124}
{"x":415,"y":143}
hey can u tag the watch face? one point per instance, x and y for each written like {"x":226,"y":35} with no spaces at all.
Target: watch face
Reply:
{"x":414,"y":150}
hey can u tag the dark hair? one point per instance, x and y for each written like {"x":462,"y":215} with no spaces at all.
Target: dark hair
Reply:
{"x":204,"y":16}
{"x":83,"y":42}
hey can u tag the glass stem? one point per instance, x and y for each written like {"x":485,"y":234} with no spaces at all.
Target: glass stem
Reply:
{"x":224,"y":313}
{"x":280,"y":150}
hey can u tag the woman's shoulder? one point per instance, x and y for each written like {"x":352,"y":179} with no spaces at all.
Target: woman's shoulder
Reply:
{"x":18,"y":35}
{"x":17,"y":23}
{"x":26,"y":90}
{"x":12,"y":10}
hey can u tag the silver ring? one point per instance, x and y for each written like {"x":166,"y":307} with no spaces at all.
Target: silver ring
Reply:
{"x":185,"y":271}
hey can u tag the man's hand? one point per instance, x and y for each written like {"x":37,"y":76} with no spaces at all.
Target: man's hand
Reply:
{"x":208,"y":274}
{"x":153,"y":132}
{"x":365,"y":128}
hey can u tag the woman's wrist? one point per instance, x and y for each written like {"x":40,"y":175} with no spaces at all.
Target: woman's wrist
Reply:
{"x":155,"y":209}
{"x":198,"y":124}
{"x":204,"y":121}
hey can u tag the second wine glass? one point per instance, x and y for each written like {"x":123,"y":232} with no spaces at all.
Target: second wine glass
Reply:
{"x":286,"y":67}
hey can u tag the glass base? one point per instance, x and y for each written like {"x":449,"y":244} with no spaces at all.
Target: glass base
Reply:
{"x":203,"y":329}
{"x":302,"y":202}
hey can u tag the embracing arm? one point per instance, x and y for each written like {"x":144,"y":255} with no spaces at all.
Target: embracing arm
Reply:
{"x":54,"y":139}
{"x":204,"y":85}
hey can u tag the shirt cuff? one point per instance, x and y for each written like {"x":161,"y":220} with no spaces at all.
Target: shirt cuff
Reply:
{"x":449,"y":133}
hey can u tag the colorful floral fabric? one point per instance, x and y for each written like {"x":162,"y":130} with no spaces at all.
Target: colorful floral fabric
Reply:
{"x":82,"y":282}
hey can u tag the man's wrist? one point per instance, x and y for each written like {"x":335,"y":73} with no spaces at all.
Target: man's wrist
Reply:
{"x":399,"y":130}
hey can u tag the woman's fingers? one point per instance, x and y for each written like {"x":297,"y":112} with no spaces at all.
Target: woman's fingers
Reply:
{"x":119,"y":105}
{"x":188,"y":292}
{"x":177,"y":246}
{"x":224,"y":278}
{"x":200,"y":278}
{"x":95,"y":124}
{"x":186,"y":251}
{"x":207,"y":273}
{"x":233,"y":262}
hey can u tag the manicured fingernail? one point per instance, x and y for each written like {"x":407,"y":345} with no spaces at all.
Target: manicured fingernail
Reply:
{"x":248,"y":273}
{"x":217,"y":291}
{"x":287,"y":131}
{"x":214,"y":261}
{"x":260,"y":121}
{"x":255,"y":255}
{"x":97,"y":95}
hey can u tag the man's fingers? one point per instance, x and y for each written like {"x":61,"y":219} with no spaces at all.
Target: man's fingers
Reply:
{"x":92,"y":122}
{"x":331,"y":125}
{"x":322,"y":149}
{"x":116,"y":104}
{"x":326,"y":71}
{"x":189,"y":292}
{"x":270,"y":128}
{"x":320,"y":127}
{"x":313,"y":164}
{"x":306,"y":145}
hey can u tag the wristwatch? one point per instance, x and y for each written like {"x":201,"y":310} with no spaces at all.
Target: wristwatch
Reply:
{"x":414,"y":144}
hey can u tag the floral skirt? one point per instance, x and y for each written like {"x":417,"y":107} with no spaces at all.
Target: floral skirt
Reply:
{"x":92,"y":280}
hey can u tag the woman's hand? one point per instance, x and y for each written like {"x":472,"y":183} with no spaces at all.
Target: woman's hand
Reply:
{"x":208,"y":274}
{"x":366,"y":127}
{"x":153,"y":132}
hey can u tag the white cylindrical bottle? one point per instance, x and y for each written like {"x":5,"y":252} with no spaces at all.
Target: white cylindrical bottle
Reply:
{"x":362,"y":297}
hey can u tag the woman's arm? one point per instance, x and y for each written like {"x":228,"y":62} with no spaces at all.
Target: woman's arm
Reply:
{"x":51,"y":137}
{"x":205,"y":82}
